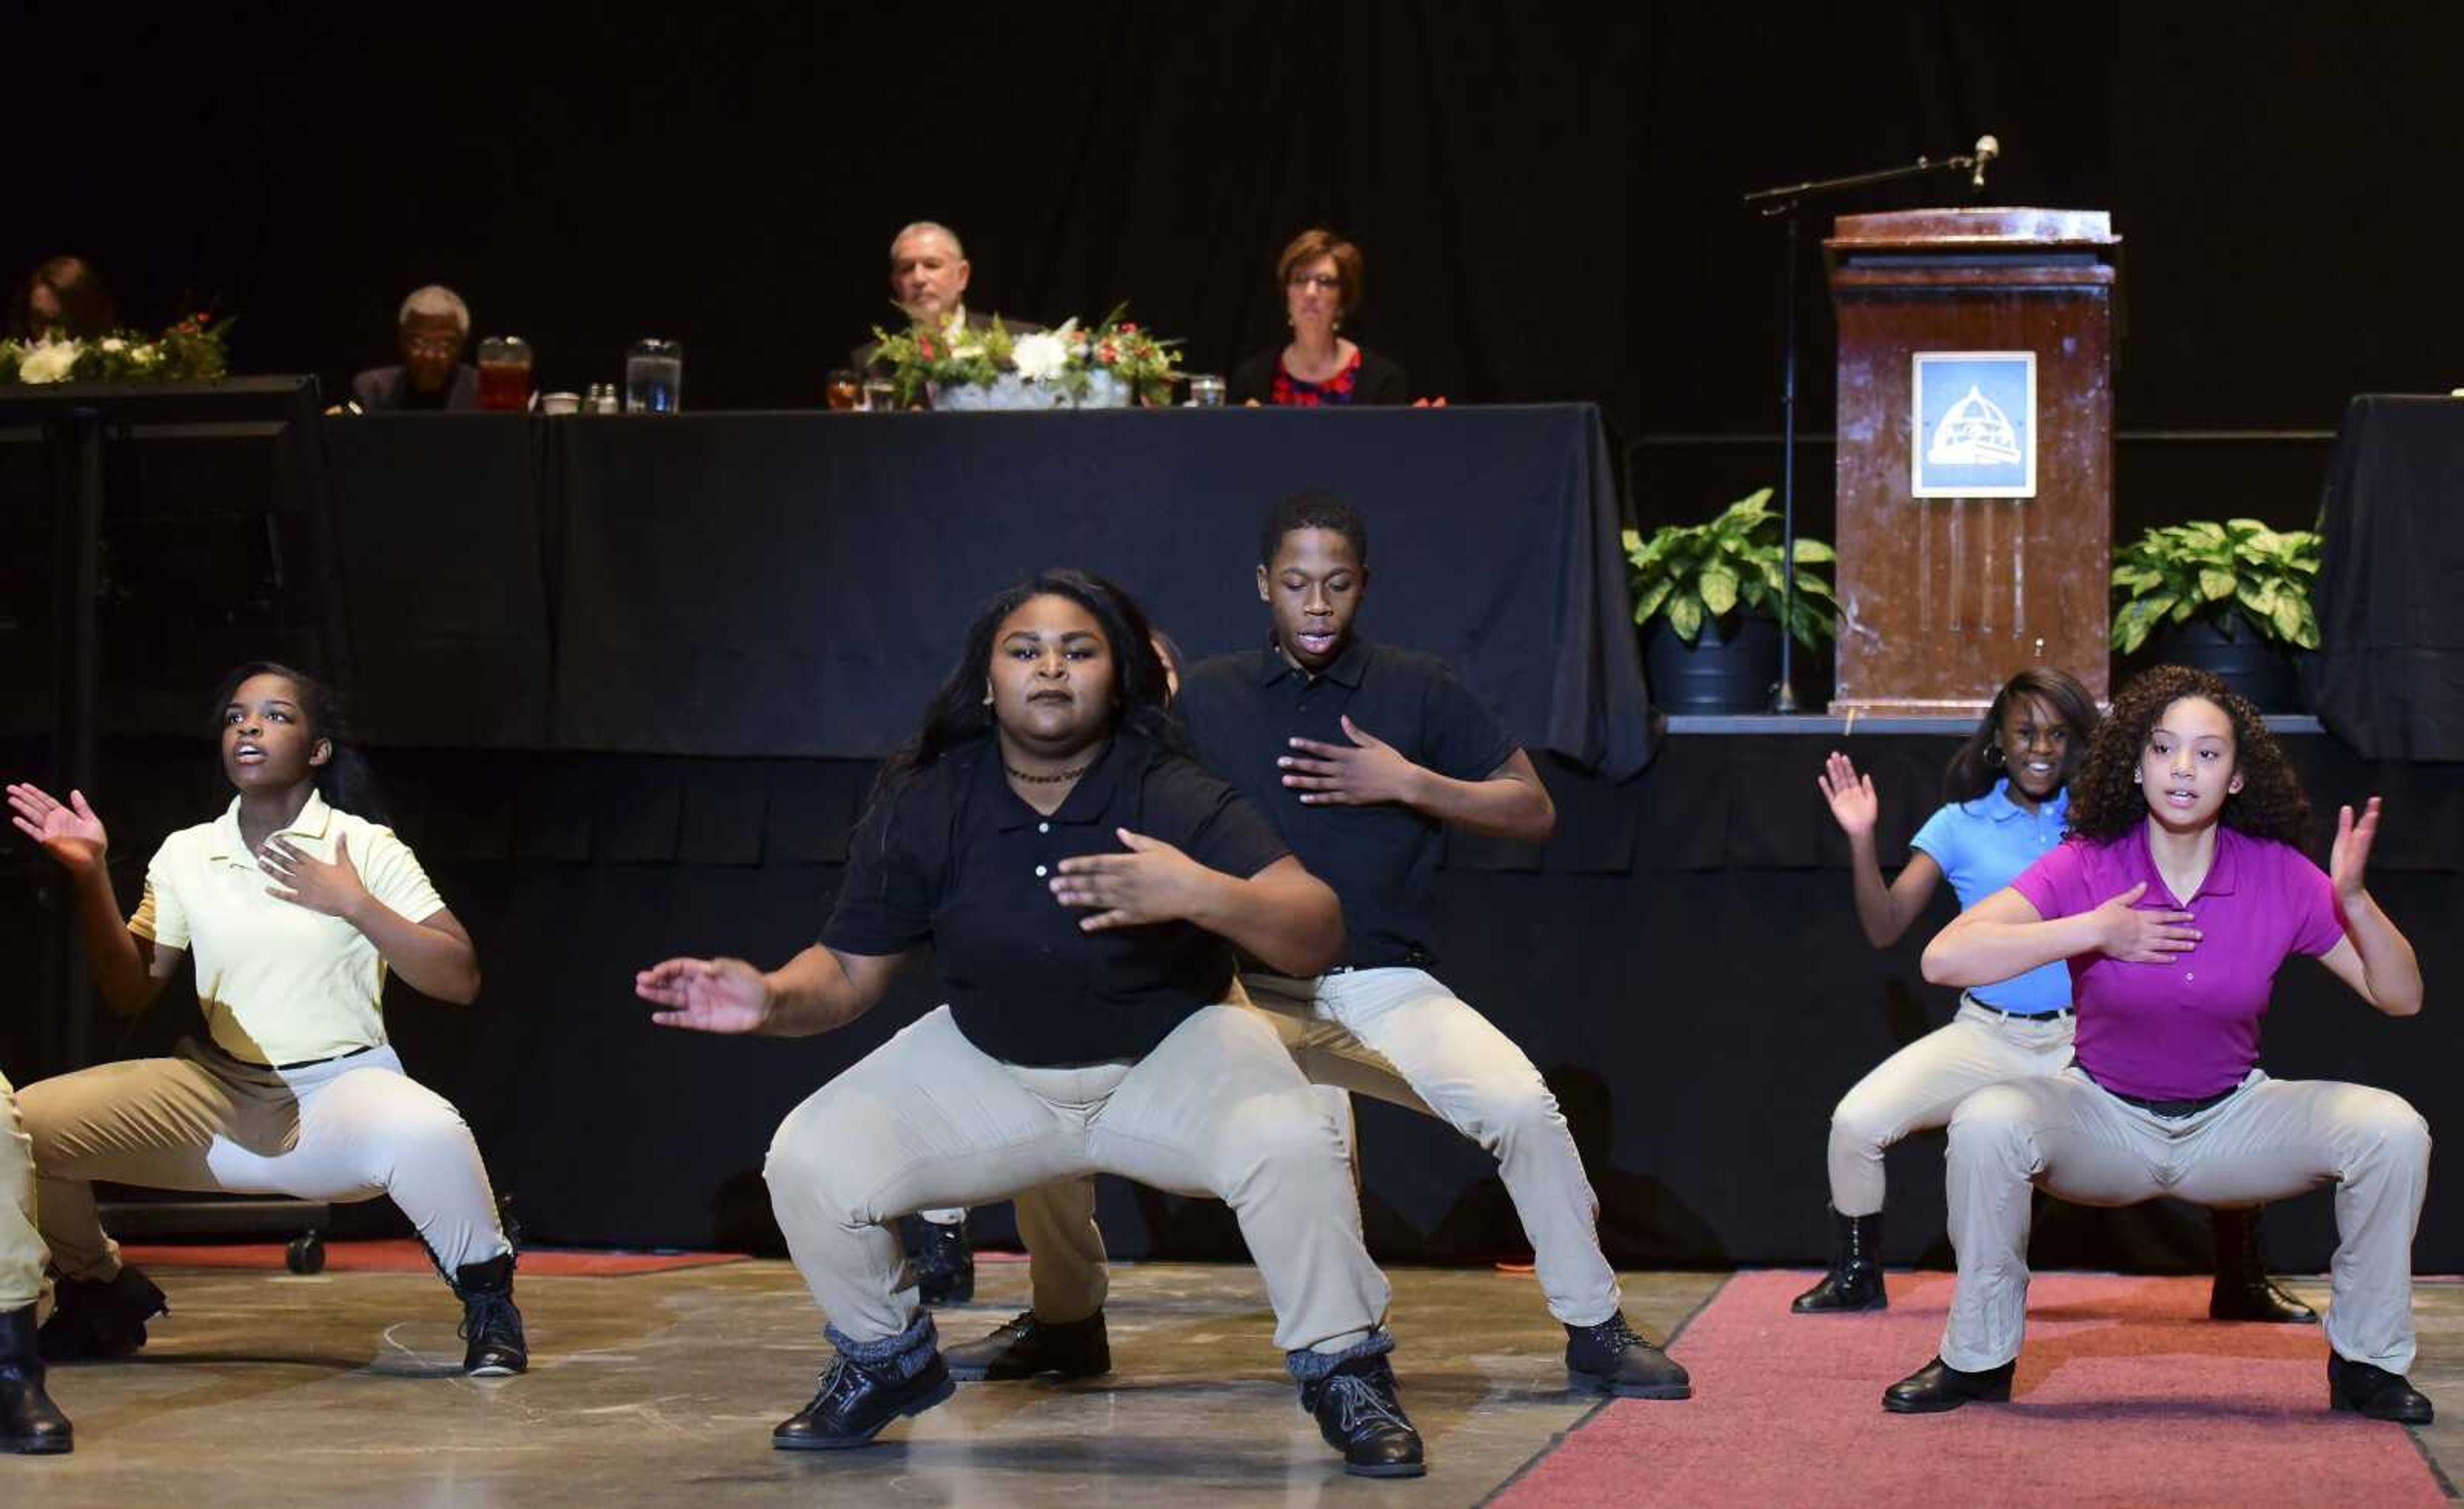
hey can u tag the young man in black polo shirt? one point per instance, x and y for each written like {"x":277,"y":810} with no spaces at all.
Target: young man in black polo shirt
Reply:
{"x":1362,"y":755}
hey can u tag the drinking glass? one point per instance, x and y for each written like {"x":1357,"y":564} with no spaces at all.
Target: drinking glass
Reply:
{"x":880,"y":396}
{"x":654,"y":378}
{"x":1205,"y":390}
{"x":840,"y":391}
{"x":505,"y":373}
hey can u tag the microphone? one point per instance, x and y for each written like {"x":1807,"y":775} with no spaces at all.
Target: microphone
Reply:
{"x":1987,"y":150}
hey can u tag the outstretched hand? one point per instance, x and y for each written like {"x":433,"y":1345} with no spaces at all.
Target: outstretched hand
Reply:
{"x":303,"y":879}
{"x":1854,"y":806}
{"x":1152,"y":883}
{"x":721,"y":996}
{"x":70,"y":834}
{"x":2348,"y":861}
{"x":2143,"y":937}
{"x":1363,"y":772}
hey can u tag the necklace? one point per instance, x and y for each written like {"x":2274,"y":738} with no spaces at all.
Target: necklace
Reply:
{"x":1016,"y":773}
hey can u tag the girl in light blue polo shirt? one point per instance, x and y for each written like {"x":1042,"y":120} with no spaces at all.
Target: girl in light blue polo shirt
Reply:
{"x":2006,"y":798}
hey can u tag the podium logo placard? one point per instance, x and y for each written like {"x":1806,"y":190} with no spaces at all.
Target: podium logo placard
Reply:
{"x":1973,"y":424}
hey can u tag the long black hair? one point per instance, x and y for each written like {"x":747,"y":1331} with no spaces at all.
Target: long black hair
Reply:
{"x":344,"y":780}
{"x":1977,"y":764}
{"x":957,"y":714}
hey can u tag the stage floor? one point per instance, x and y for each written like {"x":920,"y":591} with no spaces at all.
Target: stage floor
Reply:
{"x":660,"y":1389}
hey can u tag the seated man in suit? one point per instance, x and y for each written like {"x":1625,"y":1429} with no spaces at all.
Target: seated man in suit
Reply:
{"x":431,"y":332}
{"x":928,"y":280}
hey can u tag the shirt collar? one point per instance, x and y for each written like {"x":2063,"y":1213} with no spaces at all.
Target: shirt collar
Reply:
{"x":312,"y":823}
{"x":1347,"y":671}
{"x":1997,"y":804}
{"x":2224,"y":871}
{"x":1088,"y":802}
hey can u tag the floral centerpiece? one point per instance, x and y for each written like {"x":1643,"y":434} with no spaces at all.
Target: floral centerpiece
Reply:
{"x":194,"y":350}
{"x":1110,"y":366}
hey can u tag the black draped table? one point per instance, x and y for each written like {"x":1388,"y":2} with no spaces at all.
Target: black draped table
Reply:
{"x":2391,"y":596}
{"x":795,"y":584}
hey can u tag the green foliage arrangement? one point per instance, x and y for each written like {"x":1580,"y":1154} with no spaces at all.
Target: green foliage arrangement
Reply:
{"x":2216,"y":572}
{"x":194,"y":350}
{"x":1693,"y":572}
{"x":921,"y":359}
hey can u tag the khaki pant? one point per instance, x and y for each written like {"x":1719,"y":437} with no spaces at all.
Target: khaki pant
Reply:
{"x":350,"y":1129}
{"x":1918,"y":1087}
{"x":1401,"y":1036}
{"x":21,"y":1246}
{"x":927,"y":1119}
{"x":2268,"y":1139}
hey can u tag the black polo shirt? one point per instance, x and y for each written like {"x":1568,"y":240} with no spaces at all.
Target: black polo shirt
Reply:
{"x":1383,"y":861}
{"x":959,"y":860}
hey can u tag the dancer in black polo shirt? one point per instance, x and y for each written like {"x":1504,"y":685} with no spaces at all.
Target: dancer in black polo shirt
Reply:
{"x":1078,"y":877}
{"x":1363,"y":755}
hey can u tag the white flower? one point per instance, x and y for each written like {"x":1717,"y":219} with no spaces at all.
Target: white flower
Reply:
{"x":1042,"y":355}
{"x":114,"y":343}
{"x":144,"y":356}
{"x":48,"y":361}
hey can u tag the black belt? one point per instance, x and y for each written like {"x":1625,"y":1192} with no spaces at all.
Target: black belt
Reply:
{"x":2025,"y":1015}
{"x":1411,"y":959}
{"x":2171,"y":1110}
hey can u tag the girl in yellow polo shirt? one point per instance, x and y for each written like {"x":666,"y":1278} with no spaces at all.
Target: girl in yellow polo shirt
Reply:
{"x":295,"y":907}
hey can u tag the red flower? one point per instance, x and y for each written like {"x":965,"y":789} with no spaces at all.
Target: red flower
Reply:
{"x":1106,"y":354}
{"x":1129,"y":325}
{"x":924,"y":347}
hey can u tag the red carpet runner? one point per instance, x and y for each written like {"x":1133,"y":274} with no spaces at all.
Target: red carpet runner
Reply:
{"x":2127,"y":1394}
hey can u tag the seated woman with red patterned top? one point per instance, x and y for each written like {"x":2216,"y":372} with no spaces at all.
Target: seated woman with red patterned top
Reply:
{"x":1320,"y":275}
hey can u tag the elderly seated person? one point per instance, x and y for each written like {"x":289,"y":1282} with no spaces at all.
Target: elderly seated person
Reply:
{"x":431,"y":332}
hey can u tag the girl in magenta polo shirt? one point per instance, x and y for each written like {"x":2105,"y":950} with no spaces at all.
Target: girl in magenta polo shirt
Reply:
{"x":2176,"y":899}
{"x":2006,"y":804}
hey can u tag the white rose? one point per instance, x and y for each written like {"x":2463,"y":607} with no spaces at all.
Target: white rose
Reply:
{"x":1040,"y":356}
{"x":48,"y":362}
{"x":114,"y":343}
{"x":145,"y":355}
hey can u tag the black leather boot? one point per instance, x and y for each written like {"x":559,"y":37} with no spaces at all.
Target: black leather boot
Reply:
{"x":30,"y":1423}
{"x":95,"y":1318}
{"x":2364,"y":1390}
{"x":490,"y":1321}
{"x":856,"y":1399}
{"x":1027,"y":1347}
{"x":1611,"y":1359}
{"x":945,"y":1265}
{"x":1938,"y":1386}
{"x":1359,"y":1415}
{"x":2243,"y":1291}
{"x":1855,"y":1281}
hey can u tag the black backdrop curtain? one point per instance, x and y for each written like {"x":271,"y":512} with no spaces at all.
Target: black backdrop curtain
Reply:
{"x":1548,"y":197}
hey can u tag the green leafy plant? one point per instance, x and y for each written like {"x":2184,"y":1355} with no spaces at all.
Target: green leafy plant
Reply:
{"x":1692,"y":572}
{"x":2213,"y":571}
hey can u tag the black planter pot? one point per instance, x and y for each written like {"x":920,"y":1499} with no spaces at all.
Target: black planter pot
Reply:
{"x":2258,"y":668}
{"x":1731,"y":666}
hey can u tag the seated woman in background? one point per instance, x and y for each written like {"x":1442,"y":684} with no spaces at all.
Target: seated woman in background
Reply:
{"x":1320,"y":275}
{"x":63,"y":299}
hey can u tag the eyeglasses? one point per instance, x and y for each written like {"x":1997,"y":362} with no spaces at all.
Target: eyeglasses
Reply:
{"x":1323,"y":280}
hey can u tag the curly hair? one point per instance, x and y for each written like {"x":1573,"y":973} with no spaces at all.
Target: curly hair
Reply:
{"x":2105,"y":798}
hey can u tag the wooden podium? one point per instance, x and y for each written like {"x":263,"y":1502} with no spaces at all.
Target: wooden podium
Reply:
{"x":1973,"y":533}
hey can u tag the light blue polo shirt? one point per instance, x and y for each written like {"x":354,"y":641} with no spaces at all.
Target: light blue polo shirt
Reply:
{"x":1982,"y":847}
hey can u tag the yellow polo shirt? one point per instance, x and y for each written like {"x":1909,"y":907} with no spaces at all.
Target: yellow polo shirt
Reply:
{"x":279,"y":983}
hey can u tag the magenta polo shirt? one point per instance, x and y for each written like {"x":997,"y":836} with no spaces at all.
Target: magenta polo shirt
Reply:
{"x":2187,"y":1029}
